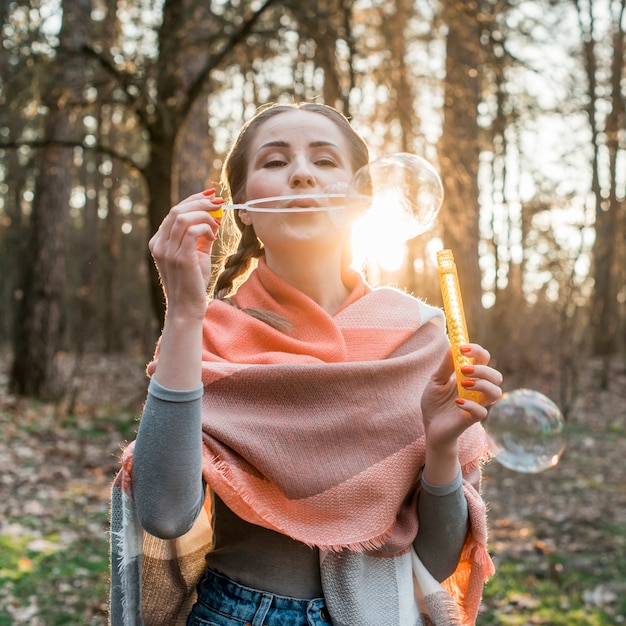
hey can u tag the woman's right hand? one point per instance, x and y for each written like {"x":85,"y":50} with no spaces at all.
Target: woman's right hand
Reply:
{"x":181,"y":249}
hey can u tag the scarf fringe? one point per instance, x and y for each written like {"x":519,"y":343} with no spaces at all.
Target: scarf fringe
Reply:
{"x":260,"y":516}
{"x":126,"y":552}
{"x":440,"y":608}
{"x":477,"y":553}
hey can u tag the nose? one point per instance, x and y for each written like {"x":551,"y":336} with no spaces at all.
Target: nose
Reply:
{"x":302,"y":175}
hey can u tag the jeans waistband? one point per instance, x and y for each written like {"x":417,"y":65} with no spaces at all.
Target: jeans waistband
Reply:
{"x":254,"y":606}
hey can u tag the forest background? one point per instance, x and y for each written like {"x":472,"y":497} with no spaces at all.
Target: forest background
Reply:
{"x":111,"y":111}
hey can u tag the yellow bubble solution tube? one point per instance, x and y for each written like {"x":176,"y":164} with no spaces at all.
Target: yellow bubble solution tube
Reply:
{"x":455,"y":317}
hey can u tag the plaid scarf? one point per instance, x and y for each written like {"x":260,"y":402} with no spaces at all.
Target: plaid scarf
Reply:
{"x":316,"y":434}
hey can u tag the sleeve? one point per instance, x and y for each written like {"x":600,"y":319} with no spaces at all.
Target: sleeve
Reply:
{"x":167,"y":461}
{"x":443,"y":523}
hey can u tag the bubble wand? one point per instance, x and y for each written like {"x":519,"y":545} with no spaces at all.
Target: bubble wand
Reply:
{"x":455,"y":318}
{"x":324,"y":201}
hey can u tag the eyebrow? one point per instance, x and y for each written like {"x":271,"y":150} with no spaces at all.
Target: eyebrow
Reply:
{"x":284,"y":144}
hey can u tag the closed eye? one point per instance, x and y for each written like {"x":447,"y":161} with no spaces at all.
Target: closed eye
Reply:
{"x":326,"y":162}
{"x":274,"y":163}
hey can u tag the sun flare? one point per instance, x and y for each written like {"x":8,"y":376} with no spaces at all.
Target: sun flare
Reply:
{"x":375,"y":244}
{"x":379,"y":237}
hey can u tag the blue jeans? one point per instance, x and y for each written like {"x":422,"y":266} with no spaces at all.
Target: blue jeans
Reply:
{"x":223,"y":602}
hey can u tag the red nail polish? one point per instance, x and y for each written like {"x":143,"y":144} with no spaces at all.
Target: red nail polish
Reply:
{"x":460,"y":401}
{"x":208,"y":192}
{"x":465,"y":348}
{"x":467,"y":383}
{"x":468,"y":370}
{"x":217,"y":200}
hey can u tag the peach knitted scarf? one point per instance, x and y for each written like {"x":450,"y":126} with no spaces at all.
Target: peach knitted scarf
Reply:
{"x":318,"y":433}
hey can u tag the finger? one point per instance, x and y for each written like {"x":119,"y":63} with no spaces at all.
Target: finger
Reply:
{"x":183,"y":221}
{"x":181,"y":237}
{"x":482,"y":372}
{"x":445,"y":370}
{"x":213,"y":206}
{"x":476,"y":352}
{"x":192,"y":202}
{"x":201,"y":201}
{"x":207,"y":194}
{"x":196,"y":203}
{"x":204,"y":243}
{"x":198,"y":237}
{"x":475,"y":410}
{"x":489,"y":392}
{"x":168,"y":224}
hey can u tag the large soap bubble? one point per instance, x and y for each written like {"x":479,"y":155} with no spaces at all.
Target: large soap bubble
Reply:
{"x":526,"y":431}
{"x":406,"y":192}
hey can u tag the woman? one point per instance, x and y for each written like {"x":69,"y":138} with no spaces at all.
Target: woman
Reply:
{"x":302,"y":452}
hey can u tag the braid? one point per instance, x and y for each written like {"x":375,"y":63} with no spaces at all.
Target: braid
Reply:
{"x":237,"y":263}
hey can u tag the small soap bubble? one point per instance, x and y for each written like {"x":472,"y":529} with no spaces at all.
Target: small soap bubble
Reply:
{"x":526,"y":431}
{"x":405,"y":189}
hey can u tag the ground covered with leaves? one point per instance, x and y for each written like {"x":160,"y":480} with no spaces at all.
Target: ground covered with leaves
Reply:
{"x":558,"y":538}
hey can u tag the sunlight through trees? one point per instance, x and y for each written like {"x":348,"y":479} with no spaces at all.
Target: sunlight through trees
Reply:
{"x":111,"y":111}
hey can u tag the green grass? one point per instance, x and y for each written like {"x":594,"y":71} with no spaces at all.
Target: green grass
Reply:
{"x":44,"y":581}
{"x":590,"y":592}
{"x":54,"y":564}
{"x":124,"y":421}
{"x":67,"y":584}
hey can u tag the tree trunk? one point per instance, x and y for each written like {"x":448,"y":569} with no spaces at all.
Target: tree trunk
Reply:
{"x":111,"y":314}
{"x":41,"y":317}
{"x":604,"y":303}
{"x":13,"y":244}
{"x":604,"y":313}
{"x":459,"y":152}
{"x":159,"y":180}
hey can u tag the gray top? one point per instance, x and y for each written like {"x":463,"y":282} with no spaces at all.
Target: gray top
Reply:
{"x":169,"y":436}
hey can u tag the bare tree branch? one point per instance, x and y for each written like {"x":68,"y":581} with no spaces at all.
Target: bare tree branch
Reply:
{"x":61,"y":143}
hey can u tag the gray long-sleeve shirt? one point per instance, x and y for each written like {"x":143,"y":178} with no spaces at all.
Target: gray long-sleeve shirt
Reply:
{"x":168,"y":502}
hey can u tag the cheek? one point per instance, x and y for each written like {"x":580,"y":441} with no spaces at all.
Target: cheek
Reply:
{"x":258,"y":186}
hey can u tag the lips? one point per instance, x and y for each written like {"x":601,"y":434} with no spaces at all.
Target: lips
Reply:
{"x":306,"y":203}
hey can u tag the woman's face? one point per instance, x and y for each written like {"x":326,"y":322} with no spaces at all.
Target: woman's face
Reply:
{"x":295,"y":153}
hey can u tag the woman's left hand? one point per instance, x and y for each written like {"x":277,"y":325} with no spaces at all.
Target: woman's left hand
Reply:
{"x":446,"y":416}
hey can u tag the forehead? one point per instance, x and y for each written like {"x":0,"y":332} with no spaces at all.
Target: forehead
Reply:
{"x":298,"y":125}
